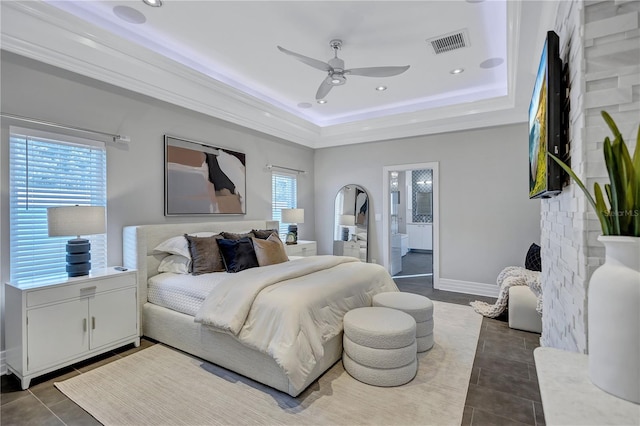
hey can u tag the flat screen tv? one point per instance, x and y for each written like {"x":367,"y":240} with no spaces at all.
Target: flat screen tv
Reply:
{"x":546,"y":133}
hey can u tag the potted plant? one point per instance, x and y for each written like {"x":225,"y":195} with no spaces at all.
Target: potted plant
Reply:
{"x":614,"y":288}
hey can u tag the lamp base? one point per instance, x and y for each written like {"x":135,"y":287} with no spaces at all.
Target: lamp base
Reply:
{"x":78,"y":257}
{"x":292,"y":235}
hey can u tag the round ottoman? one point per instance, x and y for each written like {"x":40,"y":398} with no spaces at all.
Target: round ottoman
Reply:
{"x":380,"y":346}
{"x":419,"y":307}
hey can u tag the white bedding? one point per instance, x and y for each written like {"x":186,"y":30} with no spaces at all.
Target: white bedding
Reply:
{"x":289,"y":310}
{"x":182,"y":293}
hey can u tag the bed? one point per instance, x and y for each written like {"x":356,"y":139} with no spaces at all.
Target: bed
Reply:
{"x":229,"y":345}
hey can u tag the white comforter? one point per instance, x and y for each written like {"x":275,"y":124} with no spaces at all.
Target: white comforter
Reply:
{"x":289,"y":310}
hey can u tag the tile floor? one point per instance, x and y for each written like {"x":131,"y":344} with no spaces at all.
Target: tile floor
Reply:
{"x":503,"y":389}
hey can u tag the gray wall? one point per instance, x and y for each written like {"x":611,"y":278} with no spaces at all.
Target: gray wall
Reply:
{"x":135,"y":172}
{"x":487,"y":221}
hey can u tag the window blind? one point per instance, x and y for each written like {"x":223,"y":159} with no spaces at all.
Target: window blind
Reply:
{"x":47,"y":170}
{"x":284,"y":195}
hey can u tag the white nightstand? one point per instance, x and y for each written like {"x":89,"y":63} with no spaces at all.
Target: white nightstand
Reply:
{"x":49,"y":325}
{"x":303,"y":248}
{"x":346,"y":248}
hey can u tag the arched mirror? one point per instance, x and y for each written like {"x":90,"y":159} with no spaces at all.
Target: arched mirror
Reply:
{"x":351,"y":223}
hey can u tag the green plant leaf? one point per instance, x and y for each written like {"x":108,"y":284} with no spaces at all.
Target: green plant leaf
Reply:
{"x":601,"y":209}
{"x":590,"y":199}
{"x":612,"y":124}
{"x":614,"y":171}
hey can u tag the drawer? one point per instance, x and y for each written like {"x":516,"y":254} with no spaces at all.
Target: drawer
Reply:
{"x":301,"y":250}
{"x":81,"y":289}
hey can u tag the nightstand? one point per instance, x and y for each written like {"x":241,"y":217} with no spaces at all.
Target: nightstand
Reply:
{"x":52,"y":324}
{"x":303,"y":248}
{"x":346,"y":248}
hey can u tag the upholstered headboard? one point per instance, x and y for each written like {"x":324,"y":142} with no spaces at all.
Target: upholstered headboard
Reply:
{"x":139,"y":242}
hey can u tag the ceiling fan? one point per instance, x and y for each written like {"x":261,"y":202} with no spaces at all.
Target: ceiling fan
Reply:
{"x":336,"y":73}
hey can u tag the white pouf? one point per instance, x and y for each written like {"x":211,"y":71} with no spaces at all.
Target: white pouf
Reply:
{"x":419,"y":307}
{"x":380,"y":346}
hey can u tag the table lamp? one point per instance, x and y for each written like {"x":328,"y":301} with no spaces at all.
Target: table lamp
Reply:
{"x":293,"y":217}
{"x":347,"y":220}
{"x":67,"y":221}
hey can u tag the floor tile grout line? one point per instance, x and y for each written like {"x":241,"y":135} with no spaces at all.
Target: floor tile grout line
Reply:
{"x":47,"y":407}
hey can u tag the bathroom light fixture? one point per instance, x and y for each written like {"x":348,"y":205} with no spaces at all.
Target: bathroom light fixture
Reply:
{"x":153,"y":3}
{"x":457,"y":71}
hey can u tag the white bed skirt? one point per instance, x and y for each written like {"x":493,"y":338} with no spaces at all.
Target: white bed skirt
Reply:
{"x":180,"y":331}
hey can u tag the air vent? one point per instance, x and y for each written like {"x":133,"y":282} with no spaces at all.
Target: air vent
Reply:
{"x":449,"y":42}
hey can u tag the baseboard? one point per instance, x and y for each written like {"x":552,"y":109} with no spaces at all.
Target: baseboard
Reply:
{"x":469,"y":287}
{"x":3,"y":363}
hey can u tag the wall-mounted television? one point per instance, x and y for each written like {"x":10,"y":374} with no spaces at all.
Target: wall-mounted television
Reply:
{"x":546,"y":123}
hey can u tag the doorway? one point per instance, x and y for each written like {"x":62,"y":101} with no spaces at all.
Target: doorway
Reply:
{"x":410,"y":222}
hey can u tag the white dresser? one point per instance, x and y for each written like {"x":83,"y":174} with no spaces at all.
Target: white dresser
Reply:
{"x":303,"y":248}
{"x":346,"y":248}
{"x":52,"y":324}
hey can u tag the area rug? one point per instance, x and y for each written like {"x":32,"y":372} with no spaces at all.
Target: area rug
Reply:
{"x":163,"y":386}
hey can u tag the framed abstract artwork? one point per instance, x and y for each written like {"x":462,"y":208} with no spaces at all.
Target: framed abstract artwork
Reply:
{"x":201,"y":179}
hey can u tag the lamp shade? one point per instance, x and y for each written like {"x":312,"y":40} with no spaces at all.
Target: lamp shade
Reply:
{"x":75,"y":220}
{"x":292,"y":215}
{"x":347,"y":220}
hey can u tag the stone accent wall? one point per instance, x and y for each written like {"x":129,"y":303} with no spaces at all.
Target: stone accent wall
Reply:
{"x":601,"y":42}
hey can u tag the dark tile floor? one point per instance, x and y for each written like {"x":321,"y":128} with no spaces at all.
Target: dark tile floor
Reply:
{"x":503,"y":389}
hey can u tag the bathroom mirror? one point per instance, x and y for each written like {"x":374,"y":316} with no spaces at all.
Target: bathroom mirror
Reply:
{"x":351,"y":223}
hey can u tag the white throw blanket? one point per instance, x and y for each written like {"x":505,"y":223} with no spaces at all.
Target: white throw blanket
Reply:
{"x":291,"y":309}
{"x":509,"y":277}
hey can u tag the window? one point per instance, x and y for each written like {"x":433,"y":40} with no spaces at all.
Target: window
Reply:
{"x":47,"y":170}
{"x":284,"y":195}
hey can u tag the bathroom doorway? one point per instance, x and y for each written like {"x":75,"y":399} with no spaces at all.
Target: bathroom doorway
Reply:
{"x":410,"y":212}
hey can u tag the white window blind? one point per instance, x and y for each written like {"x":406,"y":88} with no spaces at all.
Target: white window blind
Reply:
{"x":284,"y":195}
{"x":47,"y":170}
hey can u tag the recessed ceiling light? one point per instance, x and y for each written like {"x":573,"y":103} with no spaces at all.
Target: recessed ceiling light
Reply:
{"x":491,"y":63}
{"x":381,"y":88}
{"x":322,"y":101}
{"x":129,"y":14}
{"x":153,"y":3}
{"x":457,"y":71}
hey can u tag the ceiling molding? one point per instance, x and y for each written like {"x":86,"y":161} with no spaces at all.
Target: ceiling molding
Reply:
{"x":44,"y":33}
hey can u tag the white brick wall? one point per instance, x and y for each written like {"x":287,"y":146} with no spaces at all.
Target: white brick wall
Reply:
{"x":601,"y":41}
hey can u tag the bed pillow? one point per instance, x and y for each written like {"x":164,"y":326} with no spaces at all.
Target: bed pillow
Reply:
{"x":205,"y":255}
{"x":179,"y":245}
{"x":175,"y":263}
{"x":532,"y":261}
{"x":263,"y":234}
{"x":236,"y":236}
{"x":237,"y":255}
{"x":269,"y":251}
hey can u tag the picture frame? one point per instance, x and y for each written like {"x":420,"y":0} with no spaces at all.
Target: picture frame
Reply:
{"x":202,"y":179}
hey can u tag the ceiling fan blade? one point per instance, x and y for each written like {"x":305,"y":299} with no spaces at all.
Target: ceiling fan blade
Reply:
{"x":377,"y":71}
{"x":324,"y":88}
{"x":309,"y":61}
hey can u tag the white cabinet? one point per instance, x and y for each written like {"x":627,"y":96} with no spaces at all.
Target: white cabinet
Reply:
{"x":346,"y":248}
{"x":57,"y":323}
{"x":420,"y":236}
{"x":303,"y":248}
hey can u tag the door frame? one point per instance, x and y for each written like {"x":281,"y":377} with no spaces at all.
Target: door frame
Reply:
{"x":386,"y":214}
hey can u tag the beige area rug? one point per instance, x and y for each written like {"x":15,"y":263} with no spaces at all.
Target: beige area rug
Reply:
{"x":162,"y":386}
